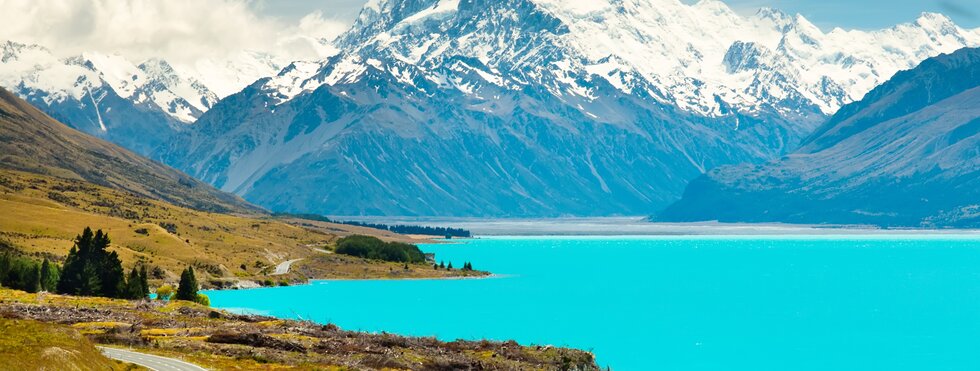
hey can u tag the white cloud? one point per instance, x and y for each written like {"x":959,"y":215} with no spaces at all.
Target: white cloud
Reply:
{"x":181,"y":31}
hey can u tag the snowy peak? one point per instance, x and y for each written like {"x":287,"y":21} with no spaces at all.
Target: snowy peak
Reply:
{"x":181,"y":92}
{"x":701,"y":57}
{"x":154,"y":83}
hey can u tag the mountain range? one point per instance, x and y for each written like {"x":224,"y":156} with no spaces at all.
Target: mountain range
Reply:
{"x":514,"y":107}
{"x":122,"y":101}
{"x":906,"y":156}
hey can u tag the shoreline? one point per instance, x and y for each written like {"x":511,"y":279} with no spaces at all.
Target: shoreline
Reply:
{"x":312,"y":281}
{"x":640,"y":226}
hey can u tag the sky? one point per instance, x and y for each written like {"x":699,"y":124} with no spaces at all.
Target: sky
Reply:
{"x":857,"y":14}
{"x":186,"y":30}
{"x":867,"y":14}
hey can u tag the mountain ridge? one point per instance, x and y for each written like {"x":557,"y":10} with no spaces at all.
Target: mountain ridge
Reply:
{"x":110,"y":97}
{"x":536,"y":107}
{"x":34,"y":142}
{"x":905,"y":156}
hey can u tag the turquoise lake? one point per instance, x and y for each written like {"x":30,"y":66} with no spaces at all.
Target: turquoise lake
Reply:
{"x":682,"y":303}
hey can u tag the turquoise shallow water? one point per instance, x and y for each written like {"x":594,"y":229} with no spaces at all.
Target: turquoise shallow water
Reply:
{"x":683,"y":303}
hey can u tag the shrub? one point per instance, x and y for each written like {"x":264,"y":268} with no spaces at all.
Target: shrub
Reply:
{"x":373,"y":248}
{"x":203,"y":300}
{"x":165,"y":292}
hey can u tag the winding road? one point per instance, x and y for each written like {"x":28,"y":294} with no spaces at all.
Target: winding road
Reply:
{"x":283,"y":267}
{"x":151,"y":362}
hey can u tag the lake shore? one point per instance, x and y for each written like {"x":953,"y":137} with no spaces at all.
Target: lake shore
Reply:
{"x":220,"y":340}
{"x":680,"y":299}
{"x":641,"y":226}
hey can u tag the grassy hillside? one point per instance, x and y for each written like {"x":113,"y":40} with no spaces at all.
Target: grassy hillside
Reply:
{"x":34,"y":142}
{"x":42,"y":214}
{"x":32,"y":345}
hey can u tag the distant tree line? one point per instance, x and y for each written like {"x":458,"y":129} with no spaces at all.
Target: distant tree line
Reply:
{"x":399,"y":228}
{"x":417,"y":229}
{"x":467,"y":266}
{"x":373,"y":248}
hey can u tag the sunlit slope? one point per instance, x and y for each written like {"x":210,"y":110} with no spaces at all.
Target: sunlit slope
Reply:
{"x":32,"y":141}
{"x":43,"y":214}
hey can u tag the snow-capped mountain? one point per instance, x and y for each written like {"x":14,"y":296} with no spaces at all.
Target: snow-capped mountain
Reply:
{"x":700,"y":57}
{"x":119,"y":100}
{"x":539,"y":107}
{"x":905,"y":155}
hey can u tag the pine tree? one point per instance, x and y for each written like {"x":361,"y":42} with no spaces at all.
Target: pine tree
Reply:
{"x":70,"y":275}
{"x":442,"y":265}
{"x":32,"y":278}
{"x":134,"y":288}
{"x":144,"y":284}
{"x":90,"y":270}
{"x":113,"y":277}
{"x":47,"y":276}
{"x":71,"y":281}
{"x":89,"y":282}
{"x":450,"y":266}
{"x":4,"y":268}
{"x":188,"y":286}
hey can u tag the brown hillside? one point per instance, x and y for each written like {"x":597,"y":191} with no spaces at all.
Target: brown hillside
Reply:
{"x":34,"y":142}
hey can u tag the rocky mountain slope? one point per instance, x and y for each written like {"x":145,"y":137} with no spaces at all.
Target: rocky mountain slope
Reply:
{"x":905,"y":155}
{"x":538,"y":107}
{"x":32,"y":141}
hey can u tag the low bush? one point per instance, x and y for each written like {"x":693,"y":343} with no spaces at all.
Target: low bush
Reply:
{"x":373,"y":248}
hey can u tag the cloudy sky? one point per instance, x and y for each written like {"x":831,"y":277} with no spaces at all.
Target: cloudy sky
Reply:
{"x":189,"y":29}
{"x":860,"y":14}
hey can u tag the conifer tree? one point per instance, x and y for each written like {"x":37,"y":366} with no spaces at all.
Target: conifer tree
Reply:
{"x":32,"y":278}
{"x":90,"y":270}
{"x":134,"y":288}
{"x":144,"y":284}
{"x":188,"y":286}
{"x":49,"y":276}
{"x":4,"y":268}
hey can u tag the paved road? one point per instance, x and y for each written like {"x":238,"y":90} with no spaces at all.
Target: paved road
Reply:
{"x":151,"y":362}
{"x":283,"y":267}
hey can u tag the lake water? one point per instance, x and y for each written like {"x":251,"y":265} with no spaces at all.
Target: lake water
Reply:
{"x":683,"y":303}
